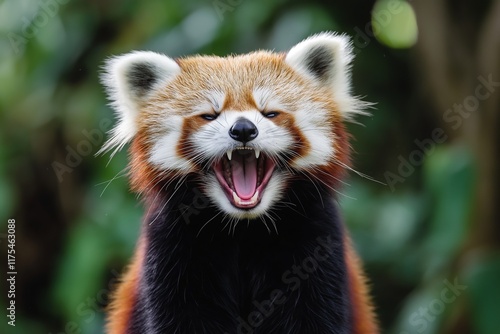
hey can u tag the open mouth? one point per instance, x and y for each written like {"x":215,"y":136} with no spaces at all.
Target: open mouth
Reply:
{"x":244,"y":173}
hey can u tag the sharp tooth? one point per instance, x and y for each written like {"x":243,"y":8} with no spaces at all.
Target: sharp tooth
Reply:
{"x":229,"y":154}
{"x":255,"y":197}
{"x":257,"y":153}
{"x":236,"y":199}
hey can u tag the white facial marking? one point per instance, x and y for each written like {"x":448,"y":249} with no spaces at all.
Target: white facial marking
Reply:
{"x":265,"y":100}
{"x":312,"y":121}
{"x":217,"y":99}
{"x":164,"y":150}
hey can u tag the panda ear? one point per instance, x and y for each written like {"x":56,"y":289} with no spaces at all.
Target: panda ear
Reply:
{"x":129,"y":80}
{"x":326,"y":59}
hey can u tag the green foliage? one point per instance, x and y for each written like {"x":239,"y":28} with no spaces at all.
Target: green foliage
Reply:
{"x":394,"y":23}
{"x":482,"y":278}
{"x":409,"y":238}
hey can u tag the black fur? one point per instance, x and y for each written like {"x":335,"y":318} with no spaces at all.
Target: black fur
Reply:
{"x":141,"y":78}
{"x":224,"y":281}
{"x":319,"y":61}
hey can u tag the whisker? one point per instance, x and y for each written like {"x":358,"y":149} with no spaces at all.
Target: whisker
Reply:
{"x":359,"y":173}
{"x":124,"y":170}
{"x":207,"y":223}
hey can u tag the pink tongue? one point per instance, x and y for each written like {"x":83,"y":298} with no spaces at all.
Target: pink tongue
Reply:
{"x":244,"y":170}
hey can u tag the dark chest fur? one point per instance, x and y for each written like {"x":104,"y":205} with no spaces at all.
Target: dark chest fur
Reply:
{"x":245,"y":278}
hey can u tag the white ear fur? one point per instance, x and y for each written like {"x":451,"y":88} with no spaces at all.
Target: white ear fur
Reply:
{"x":129,"y":80}
{"x":326,"y":59}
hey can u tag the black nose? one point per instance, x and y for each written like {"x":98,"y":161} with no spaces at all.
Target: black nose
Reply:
{"x":243,"y":130}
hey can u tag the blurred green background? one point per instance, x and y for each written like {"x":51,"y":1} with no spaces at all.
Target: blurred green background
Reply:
{"x":429,"y":237}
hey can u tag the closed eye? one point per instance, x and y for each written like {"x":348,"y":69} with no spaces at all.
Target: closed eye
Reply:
{"x":271,"y":114}
{"x":209,"y":117}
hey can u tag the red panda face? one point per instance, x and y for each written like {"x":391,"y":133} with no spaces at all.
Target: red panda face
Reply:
{"x":244,"y":126}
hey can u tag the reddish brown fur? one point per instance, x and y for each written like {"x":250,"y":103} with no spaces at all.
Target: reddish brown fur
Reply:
{"x":143,"y":176}
{"x":364,"y":319}
{"x":335,"y":171}
{"x":125,"y":296}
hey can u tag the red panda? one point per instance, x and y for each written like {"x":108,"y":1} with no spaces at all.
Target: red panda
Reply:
{"x":239,"y":160}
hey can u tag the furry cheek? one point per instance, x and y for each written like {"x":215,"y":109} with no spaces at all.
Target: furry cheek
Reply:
{"x":315,"y":130}
{"x":164,"y":153}
{"x":204,"y":140}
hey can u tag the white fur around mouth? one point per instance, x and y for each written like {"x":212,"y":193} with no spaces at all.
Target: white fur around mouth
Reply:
{"x":243,"y":174}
